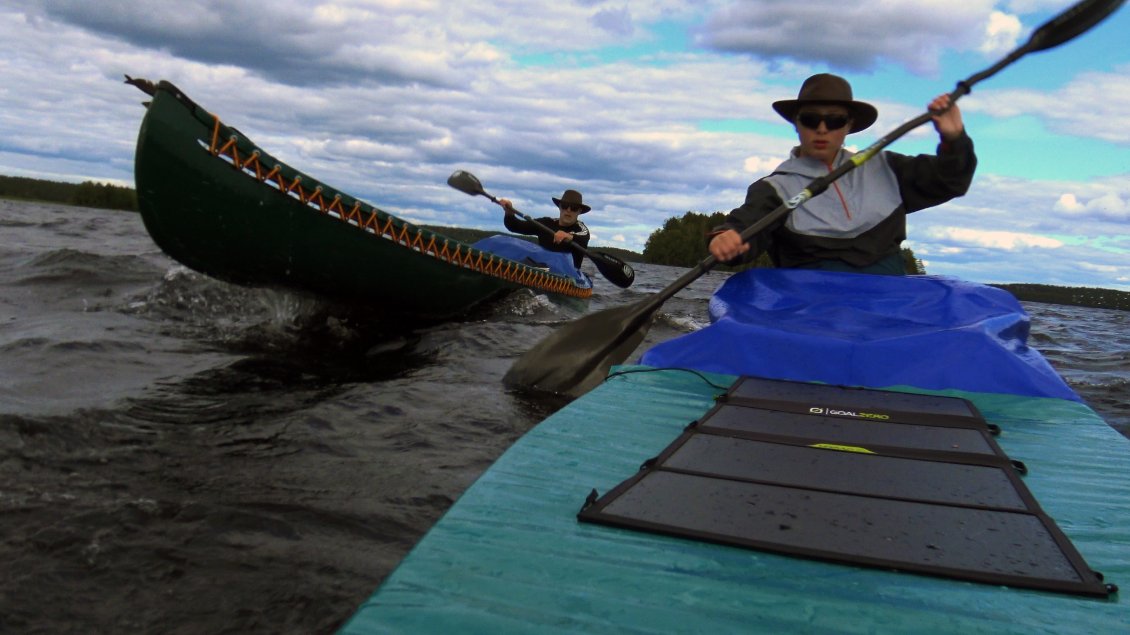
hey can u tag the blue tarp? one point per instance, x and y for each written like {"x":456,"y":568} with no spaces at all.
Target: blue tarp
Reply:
{"x":930,"y":332}
{"x":530,"y":253}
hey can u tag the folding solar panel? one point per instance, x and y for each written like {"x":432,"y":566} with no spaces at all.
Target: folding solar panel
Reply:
{"x":877,"y":478}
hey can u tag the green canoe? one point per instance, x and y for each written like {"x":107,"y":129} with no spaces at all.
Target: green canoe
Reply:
{"x":217,"y":203}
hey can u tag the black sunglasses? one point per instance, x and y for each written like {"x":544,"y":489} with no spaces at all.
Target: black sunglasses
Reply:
{"x":569,"y":207}
{"x":812,"y":120}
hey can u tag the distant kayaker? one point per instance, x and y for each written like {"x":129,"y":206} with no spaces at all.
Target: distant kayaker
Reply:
{"x":566,"y":227}
{"x":858,"y":224}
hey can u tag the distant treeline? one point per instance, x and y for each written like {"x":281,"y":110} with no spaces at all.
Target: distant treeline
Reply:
{"x":86,"y":194}
{"x":1073,"y":296}
{"x":681,"y":242}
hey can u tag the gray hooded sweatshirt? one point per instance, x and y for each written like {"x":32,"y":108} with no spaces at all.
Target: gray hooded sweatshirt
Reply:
{"x":861,"y":218}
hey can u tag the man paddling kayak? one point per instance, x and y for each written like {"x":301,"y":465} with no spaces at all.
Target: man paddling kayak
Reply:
{"x":566,"y":228}
{"x":859,"y":224}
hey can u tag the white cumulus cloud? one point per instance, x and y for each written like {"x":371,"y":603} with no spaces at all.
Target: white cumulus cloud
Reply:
{"x":1001,"y":33}
{"x":997,"y":239}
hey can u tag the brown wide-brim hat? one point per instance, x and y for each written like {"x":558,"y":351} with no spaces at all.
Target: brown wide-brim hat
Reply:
{"x":572,"y":197}
{"x":828,"y":89}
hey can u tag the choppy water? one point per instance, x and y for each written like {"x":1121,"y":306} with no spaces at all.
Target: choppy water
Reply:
{"x":181,"y":455}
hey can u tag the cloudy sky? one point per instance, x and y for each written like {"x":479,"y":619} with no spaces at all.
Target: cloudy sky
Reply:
{"x":651,"y":108}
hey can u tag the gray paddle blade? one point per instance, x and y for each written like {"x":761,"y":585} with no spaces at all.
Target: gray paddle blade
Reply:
{"x":576,"y":357}
{"x":465,"y":182}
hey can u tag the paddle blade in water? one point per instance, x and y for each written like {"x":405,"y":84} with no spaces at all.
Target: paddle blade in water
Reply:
{"x":576,"y":357}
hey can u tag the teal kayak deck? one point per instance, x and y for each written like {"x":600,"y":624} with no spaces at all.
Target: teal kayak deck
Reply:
{"x":511,"y":557}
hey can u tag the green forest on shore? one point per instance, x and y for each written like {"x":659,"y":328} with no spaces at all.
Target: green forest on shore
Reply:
{"x":679,"y":243}
{"x":86,"y":194}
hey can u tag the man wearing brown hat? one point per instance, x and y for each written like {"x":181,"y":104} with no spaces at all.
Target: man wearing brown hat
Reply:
{"x":858,"y":224}
{"x":567,"y":227}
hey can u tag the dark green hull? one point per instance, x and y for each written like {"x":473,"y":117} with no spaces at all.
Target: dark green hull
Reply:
{"x":216,"y":203}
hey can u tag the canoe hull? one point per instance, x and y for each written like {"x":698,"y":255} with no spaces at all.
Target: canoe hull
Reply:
{"x":248,"y":226}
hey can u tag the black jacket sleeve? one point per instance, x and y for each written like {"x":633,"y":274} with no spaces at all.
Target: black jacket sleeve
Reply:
{"x":928,"y":180}
{"x":760,"y":200}
{"x":519,"y":225}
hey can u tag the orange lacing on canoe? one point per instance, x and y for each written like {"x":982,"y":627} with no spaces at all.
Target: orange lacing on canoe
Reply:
{"x":369,"y":220}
